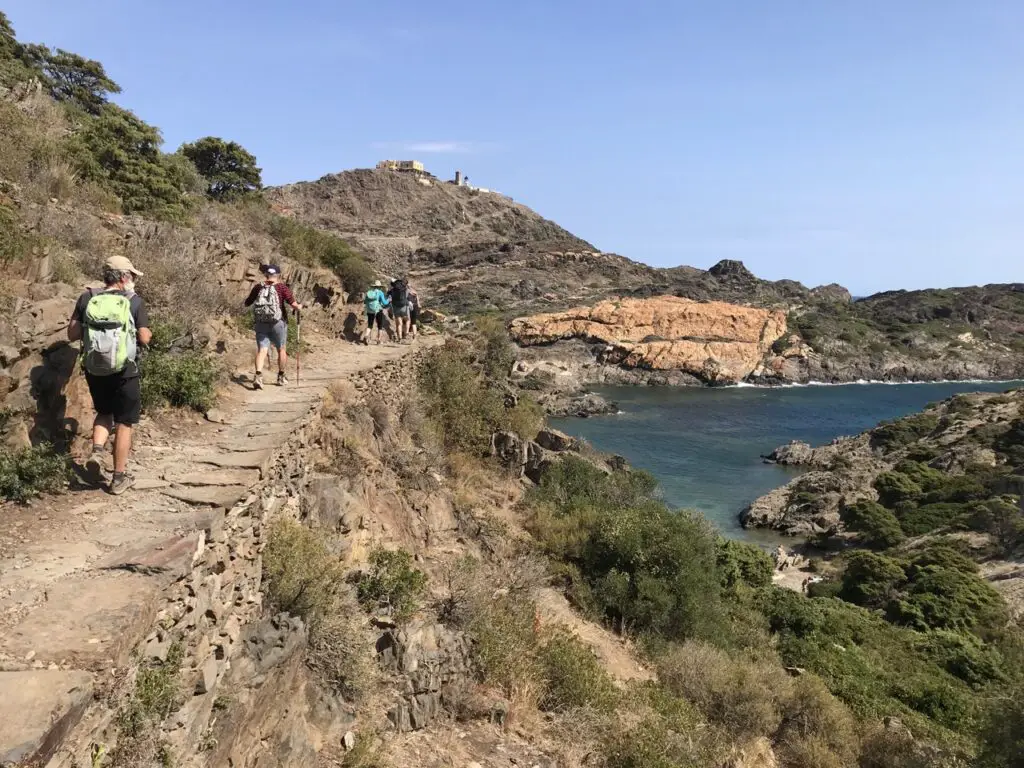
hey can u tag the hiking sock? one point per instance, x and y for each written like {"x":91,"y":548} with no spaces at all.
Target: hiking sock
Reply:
{"x":98,"y":448}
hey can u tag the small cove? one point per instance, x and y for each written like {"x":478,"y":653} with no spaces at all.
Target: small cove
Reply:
{"x":705,"y":445}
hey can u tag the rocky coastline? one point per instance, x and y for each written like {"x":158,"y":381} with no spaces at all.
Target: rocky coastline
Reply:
{"x":672,"y":341}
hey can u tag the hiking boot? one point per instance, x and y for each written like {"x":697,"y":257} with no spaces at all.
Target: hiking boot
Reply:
{"x":257,"y":381}
{"x":94,"y":468}
{"x":122,"y":482}
{"x":281,"y":379}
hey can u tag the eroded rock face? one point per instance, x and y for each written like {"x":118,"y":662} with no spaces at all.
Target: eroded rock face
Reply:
{"x":714,"y":341}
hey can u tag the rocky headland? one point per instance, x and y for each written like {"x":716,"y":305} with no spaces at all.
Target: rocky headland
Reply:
{"x":974,"y":439}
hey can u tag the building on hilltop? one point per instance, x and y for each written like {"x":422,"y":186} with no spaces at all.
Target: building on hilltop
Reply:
{"x":402,"y":166}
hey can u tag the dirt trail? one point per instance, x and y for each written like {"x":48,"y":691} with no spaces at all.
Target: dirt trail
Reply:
{"x":82,"y":574}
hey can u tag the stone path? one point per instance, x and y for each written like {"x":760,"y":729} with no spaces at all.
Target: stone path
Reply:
{"x":81,"y":575}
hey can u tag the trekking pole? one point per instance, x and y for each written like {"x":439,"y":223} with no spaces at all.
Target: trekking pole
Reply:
{"x":298,"y":345}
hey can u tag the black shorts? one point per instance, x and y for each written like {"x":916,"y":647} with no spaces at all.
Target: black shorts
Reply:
{"x":414,"y":315}
{"x":379,"y":318}
{"x":116,"y":396}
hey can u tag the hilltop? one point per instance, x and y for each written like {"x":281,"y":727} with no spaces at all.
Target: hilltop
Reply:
{"x":469,"y":252}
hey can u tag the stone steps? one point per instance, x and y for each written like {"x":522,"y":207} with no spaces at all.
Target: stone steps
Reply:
{"x":75,"y":606}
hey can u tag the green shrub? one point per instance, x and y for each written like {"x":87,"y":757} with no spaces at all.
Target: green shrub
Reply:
{"x":573,"y":676}
{"x":464,"y":409}
{"x":645,"y":567}
{"x":919,"y":520}
{"x":963,"y":656}
{"x":944,"y":598}
{"x":180,"y":380}
{"x":1001,"y":518}
{"x":313,"y":247}
{"x":157,"y":693}
{"x":506,"y":646}
{"x":871,"y":580}
{"x":895,"y":488}
{"x":877,"y":526}
{"x":1002,"y":736}
{"x":894,"y":435}
{"x":392,"y":584}
{"x":32,"y":472}
{"x":499,"y":352}
{"x":740,"y":563}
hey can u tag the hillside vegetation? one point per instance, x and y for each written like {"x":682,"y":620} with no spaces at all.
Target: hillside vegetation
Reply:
{"x":902,"y":656}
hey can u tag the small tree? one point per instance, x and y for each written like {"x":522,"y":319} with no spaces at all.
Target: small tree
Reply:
{"x":229,"y":169}
{"x":122,"y":153}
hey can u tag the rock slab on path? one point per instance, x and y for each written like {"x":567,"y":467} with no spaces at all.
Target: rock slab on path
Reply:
{"x":37,"y":710}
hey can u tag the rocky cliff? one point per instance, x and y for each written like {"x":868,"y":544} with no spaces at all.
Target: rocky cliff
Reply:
{"x":716,"y":342}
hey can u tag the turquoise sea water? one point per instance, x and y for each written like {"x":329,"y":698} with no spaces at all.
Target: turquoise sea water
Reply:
{"x":704,"y":445}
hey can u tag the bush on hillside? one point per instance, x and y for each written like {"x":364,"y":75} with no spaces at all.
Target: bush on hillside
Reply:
{"x":499,"y":352}
{"x":302,"y":577}
{"x":229,"y":170}
{"x":31,"y":472}
{"x":871,"y":580}
{"x":877,"y":526}
{"x":175,"y":377}
{"x":875,"y":668}
{"x":895,"y":488}
{"x":1002,"y":519}
{"x":573,"y":676}
{"x":459,"y":402}
{"x":392,"y":585}
{"x":1002,"y":735}
{"x":944,"y":598}
{"x":740,"y":563}
{"x":894,"y":435}
{"x":312,"y":247}
{"x":185,"y":380}
{"x":646,"y":568}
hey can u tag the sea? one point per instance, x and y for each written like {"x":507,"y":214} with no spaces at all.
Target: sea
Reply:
{"x":704,"y":445}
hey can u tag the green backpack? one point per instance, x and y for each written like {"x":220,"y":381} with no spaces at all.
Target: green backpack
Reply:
{"x":108,"y":334}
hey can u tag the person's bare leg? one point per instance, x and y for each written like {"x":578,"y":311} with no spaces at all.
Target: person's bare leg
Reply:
{"x":261,"y":358}
{"x":101,"y":427}
{"x":282,"y":359}
{"x":122,"y":447}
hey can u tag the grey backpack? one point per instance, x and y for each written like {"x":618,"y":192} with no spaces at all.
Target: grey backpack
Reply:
{"x":267,"y":308}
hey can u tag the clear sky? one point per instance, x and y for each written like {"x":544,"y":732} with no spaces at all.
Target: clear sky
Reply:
{"x":875,"y":143}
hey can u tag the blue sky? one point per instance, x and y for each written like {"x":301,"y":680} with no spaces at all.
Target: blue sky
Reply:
{"x":874,"y":143}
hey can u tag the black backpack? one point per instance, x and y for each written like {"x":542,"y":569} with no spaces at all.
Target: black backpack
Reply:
{"x":399,"y":293}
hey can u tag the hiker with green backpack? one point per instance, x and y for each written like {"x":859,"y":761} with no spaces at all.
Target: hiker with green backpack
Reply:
{"x":111,"y":323}
{"x":270,"y":321}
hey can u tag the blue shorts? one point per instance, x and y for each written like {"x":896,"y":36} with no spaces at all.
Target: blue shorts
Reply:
{"x":268,"y":334}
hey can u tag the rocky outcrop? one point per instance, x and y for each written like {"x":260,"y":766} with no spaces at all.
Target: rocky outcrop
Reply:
{"x":716,"y":342}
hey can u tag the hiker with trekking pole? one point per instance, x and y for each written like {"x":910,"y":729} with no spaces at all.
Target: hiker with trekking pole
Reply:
{"x":269,"y":300}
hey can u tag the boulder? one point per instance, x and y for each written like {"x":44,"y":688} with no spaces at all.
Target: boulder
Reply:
{"x":794,"y":453}
{"x":556,"y":441}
